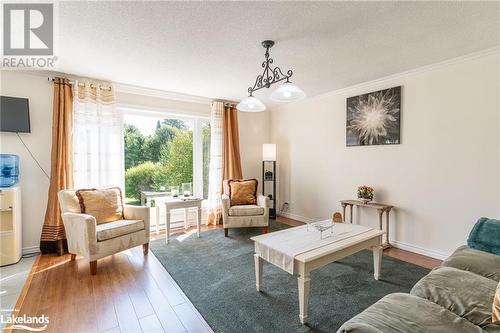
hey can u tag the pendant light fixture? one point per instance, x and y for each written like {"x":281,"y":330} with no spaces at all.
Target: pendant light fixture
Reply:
{"x":287,"y":92}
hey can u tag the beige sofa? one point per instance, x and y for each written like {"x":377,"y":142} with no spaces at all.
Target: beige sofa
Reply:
{"x":95,"y":241}
{"x":244,"y":216}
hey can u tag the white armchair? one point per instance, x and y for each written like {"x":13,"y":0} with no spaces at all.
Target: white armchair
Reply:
{"x":95,"y":241}
{"x":244,"y":216}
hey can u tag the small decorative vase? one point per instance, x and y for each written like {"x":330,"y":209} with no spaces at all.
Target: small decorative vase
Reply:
{"x":364,"y":200}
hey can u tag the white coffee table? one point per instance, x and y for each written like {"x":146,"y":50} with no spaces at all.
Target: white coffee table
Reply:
{"x":298,"y":250}
{"x":179,"y":203}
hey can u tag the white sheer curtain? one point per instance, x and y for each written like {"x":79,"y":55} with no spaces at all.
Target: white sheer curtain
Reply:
{"x":214,"y":203}
{"x":97,"y":137}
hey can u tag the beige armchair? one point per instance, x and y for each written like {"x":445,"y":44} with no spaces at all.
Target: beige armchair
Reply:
{"x":95,"y":241}
{"x":244,"y":216}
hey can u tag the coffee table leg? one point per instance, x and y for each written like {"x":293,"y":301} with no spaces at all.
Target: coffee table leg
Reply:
{"x":377,"y":261}
{"x":258,"y":271}
{"x":304,"y":283}
{"x":167,"y":225}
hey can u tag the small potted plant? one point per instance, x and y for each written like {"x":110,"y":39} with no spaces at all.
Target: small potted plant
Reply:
{"x":365,"y":193}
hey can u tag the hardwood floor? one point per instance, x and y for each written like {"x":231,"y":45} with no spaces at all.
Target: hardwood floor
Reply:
{"x":130,"y":293}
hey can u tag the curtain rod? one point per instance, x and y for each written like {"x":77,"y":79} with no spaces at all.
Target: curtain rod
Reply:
{"x":226,"y":102}
{"x":81,"y":84}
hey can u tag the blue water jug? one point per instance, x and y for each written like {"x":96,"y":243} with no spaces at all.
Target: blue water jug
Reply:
{"x":9,"y":170}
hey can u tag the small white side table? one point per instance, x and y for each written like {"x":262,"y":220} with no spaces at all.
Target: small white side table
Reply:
{"x":179,"y":203}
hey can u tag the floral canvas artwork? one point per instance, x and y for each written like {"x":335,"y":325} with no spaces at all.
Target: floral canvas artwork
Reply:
{"x":374,"y":118}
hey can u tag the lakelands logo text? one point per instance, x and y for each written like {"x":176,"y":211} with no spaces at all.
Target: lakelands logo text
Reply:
{"x":27,"y":323}
{"x":28,"y":35}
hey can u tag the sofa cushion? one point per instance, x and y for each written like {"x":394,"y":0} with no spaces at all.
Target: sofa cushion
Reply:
{"x":118,"y":228}
{"x":464,"y":293}
{"x":246,"y":210}
{"x":243,"y":192}
{"x":479,"y":262}
{"x":403,"y":313}
{"x":496,"y":306}
{"x":485,"y":236}
{"x":105,"y":205}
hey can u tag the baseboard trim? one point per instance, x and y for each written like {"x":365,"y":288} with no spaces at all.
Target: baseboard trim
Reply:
{"x":420,"y":250}
{"x":296,"y":217}
{"x":30,"y":250}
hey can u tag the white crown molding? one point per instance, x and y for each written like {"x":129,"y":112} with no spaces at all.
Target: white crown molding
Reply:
{"x":418,"y":70}
{"x":131,"y":89}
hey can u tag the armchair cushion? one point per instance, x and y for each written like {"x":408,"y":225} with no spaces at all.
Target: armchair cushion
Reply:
{"x":106,"y":205}
{"x":246,"y":210}
{"x":243,"y":192}
{"x":118,"y":228}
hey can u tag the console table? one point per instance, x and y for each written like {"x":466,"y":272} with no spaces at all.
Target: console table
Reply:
{"x":178,"y":203}
{"x":381,"y":208}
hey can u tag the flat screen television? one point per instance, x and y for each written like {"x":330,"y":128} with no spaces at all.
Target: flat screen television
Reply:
{"x":14,"y":115}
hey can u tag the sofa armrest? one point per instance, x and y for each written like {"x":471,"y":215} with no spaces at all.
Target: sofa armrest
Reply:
{"x":80,"y":232}
{"x":138,"y":213}
{"x":226,"y":204}
{"x":263,"y":201}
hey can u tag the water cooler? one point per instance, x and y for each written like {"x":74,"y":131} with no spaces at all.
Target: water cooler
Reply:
{"x":10,"y":210}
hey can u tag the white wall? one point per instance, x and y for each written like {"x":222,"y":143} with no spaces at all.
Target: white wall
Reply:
{"x":254,"y":130}
{"x":443,"y":175}
{"x":34,"y":184}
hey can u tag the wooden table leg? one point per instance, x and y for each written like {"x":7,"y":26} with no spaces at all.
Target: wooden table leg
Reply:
{"x":304,"y":282}
{"x":377,"y":261}
{"x":343,"y":212}
{"x":387,"y":244}
{"x":350,"y":209}
{"x":380,"y":212}
{"x":258,"y":271}
{"x":167,"y":224}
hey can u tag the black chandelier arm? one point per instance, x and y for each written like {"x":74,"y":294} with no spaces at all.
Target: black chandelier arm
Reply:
{"x":269,"y":77}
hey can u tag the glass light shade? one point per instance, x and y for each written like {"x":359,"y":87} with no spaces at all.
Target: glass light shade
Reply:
{"x":251,"y":104}
{"x":288,"y":92}
{"x":269,"y":152}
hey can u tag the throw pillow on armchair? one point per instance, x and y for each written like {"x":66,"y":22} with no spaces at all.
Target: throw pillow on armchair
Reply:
{"x":243,"y":191}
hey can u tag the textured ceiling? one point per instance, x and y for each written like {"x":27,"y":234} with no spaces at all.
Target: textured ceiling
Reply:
{"x":212,"y":49}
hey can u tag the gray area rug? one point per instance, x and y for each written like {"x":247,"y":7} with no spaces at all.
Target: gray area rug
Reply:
{"x":217,"y":275}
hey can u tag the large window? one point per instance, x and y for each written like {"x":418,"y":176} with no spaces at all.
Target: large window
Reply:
{"x":164,"y":151}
